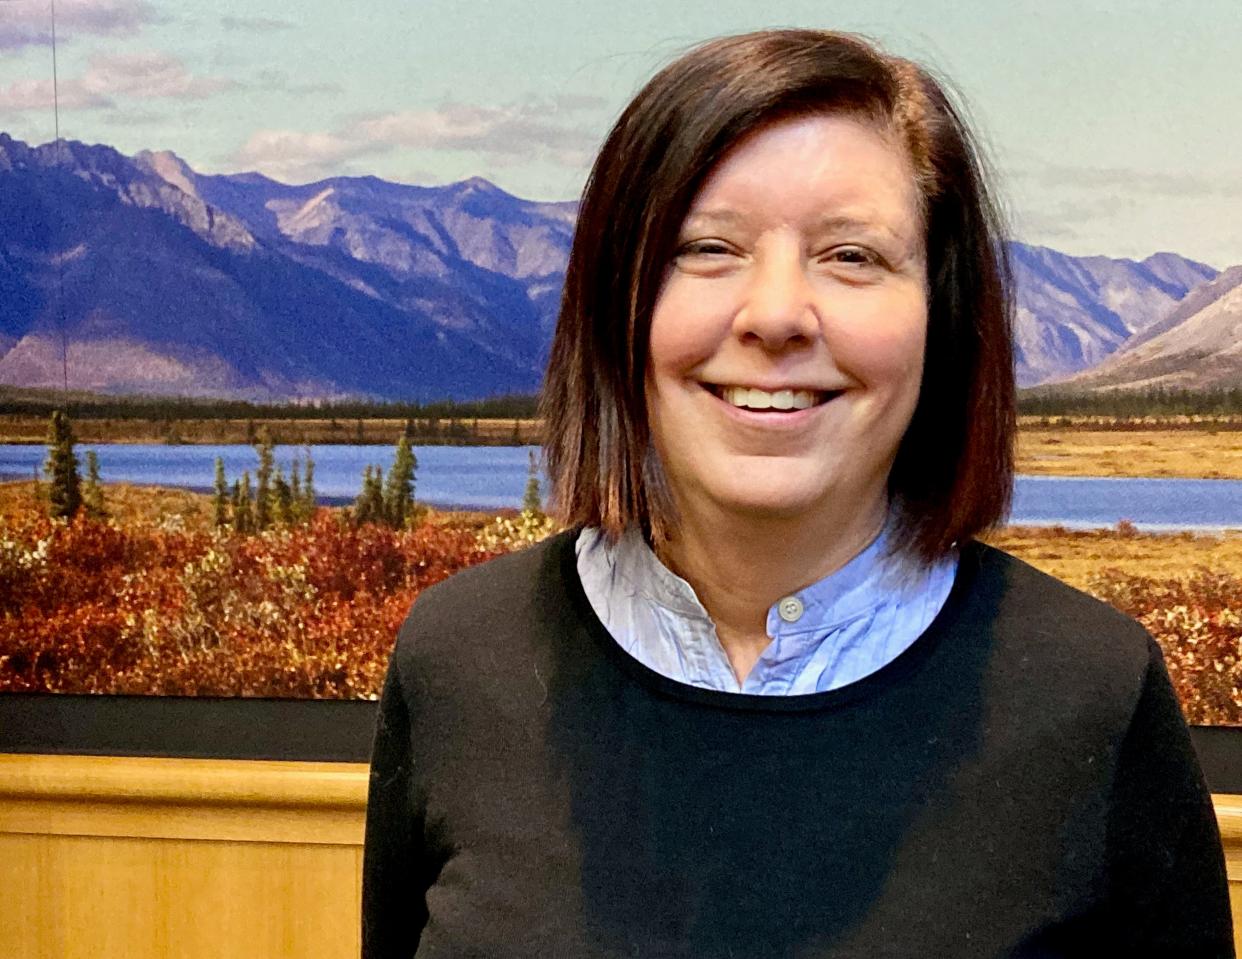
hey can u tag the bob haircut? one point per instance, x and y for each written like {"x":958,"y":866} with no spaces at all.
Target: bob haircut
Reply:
{"x":953,"y":473}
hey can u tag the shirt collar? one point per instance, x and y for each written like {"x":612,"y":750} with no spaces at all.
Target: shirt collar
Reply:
{"x":855,"y":589}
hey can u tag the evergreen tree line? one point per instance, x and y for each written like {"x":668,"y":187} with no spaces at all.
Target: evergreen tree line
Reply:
{"x":389,"y":499}
{"x":67,"y":492}
{"x":273,"y":500}
{"x":514,"y":406}
{"x":270,"y":500}
{"x":1131,"y":403}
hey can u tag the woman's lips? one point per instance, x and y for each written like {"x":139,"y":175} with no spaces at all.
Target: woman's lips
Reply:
{"x":772,"y":418}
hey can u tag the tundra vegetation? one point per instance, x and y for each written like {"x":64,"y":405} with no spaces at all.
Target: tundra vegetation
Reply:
{"x":170,"y":592}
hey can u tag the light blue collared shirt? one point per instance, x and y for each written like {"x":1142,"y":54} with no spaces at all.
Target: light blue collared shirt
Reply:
{"x":833,"y":632}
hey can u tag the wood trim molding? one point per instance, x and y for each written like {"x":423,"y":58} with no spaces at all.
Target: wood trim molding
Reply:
{"x":199,"y":781}
{"x":246,"y":800}
{"x":255,"y":800}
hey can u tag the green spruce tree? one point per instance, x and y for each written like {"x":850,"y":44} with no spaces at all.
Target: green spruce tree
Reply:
{"x":369,"y":506}
{"x":295,"y":491}
{"x":263,"y":496}
{"x":61,"y":467}
{"x":220,"y":496}
{"x":362,"y":506}
{"x":92,"y":489}
{"x":308,"y":487}
{"x":244,"y":514}
{"x":399,"y":486}
{"x":282,"y":499}
{"x":531,"y":502}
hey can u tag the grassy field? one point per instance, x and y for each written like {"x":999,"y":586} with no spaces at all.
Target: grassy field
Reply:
{"x":1079,"y":556}
{"x":1183,"y":453}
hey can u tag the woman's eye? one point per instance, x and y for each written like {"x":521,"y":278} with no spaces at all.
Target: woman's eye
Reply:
{"x":852,"y":256}
{"x":704,"y":248}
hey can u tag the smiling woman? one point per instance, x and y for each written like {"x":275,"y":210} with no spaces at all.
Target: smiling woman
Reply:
{"x":768,"y":695}
{"x":768,"y":295}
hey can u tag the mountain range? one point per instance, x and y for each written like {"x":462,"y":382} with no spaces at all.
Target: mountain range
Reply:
{"x":175,"y":282}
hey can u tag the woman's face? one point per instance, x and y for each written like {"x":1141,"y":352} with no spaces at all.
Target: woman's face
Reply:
{"x":787,"y":339}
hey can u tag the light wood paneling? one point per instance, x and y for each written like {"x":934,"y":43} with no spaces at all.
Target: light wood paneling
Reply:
{"x":82,"y":897}
{"x":107,"y":857}
{"x":140,"y":858}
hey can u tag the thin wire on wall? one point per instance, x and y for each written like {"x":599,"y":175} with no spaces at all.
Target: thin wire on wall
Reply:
{"x":59,"y":155}
{"x":60,"y":260}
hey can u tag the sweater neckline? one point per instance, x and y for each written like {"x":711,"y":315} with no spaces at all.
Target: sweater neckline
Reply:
{"x":910,"y":658}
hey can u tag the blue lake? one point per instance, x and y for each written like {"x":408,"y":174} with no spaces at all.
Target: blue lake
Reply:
{"x":485,"y":477}
{"x":488,"y":477}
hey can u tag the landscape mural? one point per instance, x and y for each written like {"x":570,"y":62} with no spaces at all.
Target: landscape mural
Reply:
{"x":275,"y":305}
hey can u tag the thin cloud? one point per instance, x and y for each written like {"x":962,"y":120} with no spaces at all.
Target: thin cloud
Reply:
{"x":137,"y":118}
{"x":520,"y":130}
{"x":256,"y":24}
{"x":503,"y":135}
{"x":1050,"y":224}
{"x":274,"y":81}
{"x":575,"y":102}
{"x":294,"y":157}
{"x":149,"y":76}
{"x":135,"y":76}
{"x":1124,"y":180}
{"x":27,"y":95}
{"x":29,"y":24}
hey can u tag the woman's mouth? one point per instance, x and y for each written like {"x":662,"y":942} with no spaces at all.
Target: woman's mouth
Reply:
{"x":773,"y":401}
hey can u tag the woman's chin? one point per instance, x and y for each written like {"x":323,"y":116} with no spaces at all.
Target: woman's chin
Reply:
{"x":777,"y":499}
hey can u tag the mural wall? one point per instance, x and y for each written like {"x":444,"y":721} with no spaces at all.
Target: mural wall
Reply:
{"x":292,"y":274}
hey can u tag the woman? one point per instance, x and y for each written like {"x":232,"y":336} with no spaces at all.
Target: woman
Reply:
{"x":768,"y":696}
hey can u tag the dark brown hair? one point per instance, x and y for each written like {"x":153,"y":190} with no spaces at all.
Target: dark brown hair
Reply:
{"x":954,"y":468}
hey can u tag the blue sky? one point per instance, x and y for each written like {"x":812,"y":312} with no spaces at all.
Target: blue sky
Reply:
{"x":1115,"y":128}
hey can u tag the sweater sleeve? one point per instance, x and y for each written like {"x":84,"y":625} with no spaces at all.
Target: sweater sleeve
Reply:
{"x":1168,"y":887}
{"x":395,"y":869}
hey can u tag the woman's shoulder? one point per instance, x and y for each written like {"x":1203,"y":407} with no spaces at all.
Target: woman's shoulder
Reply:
{"x":481,"y":606}
{"x":1042,"y":626}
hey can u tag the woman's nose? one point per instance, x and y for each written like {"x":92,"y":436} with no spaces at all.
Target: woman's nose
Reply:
{"x":779,"y":307}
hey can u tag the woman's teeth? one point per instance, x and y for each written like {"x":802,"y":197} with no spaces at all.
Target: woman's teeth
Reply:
{"x":761,"y":400}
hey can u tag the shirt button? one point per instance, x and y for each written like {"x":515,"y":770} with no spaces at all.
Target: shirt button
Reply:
{"x":790,"y":609}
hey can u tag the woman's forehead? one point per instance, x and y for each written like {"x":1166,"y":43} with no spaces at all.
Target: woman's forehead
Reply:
{"x":819,"y":171}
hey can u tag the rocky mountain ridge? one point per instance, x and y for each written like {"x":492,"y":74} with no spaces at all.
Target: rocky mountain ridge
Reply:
{"x":181,"y":282}
{"x":1197,"y":346}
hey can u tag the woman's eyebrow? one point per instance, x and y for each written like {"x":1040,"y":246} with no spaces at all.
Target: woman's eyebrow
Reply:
{"x":702,"y":219}
{"x":829,"y":223}
{"x":846,"y":223}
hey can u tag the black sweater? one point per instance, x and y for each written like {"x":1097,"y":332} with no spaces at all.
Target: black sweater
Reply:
{"x":1019,"y":782}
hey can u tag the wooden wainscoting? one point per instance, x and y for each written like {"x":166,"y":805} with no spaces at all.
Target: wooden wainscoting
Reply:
{"x":105,"y":857}
{"x":179,"y":858}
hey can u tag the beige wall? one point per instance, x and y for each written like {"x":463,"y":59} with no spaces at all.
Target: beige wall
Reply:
{"x":144,"y":858}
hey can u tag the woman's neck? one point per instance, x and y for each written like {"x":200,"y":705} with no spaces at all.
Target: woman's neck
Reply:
{"x":739,"y":566}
